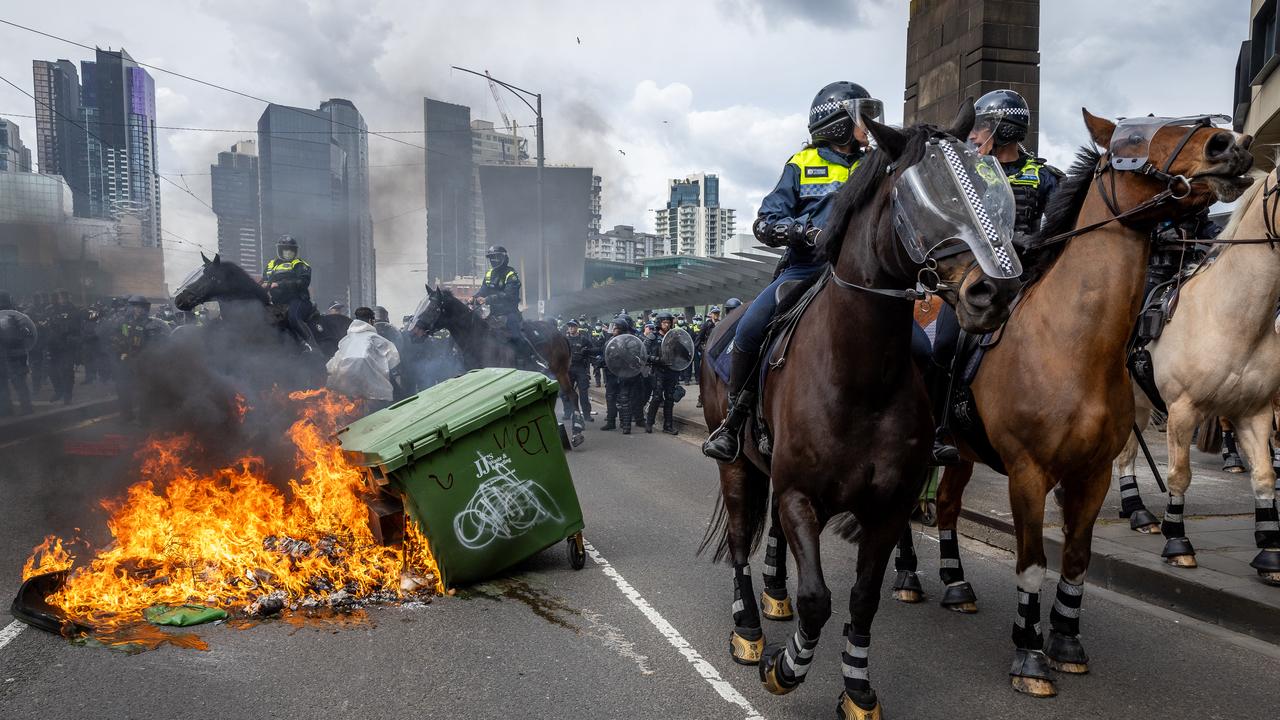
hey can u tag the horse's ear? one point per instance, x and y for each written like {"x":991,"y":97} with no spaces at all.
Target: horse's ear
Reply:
{"x":1100,"y":129}
{"x":891,"y":140}
{"x":217,"y":258}
{"x":205,"y":259}
{"x":965,"y":117}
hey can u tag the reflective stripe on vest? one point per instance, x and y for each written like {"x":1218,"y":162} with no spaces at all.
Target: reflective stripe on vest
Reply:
{"x":819,"y":176}
{"x":276,"y":264}
{"x":488,"y":277}
{"x":1029,"y":174}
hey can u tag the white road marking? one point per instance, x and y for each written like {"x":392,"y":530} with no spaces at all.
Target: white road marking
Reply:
{"x":673,"y":636}
{"x":11,"y":631}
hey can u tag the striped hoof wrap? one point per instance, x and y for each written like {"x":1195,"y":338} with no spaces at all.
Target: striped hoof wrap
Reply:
{"x":850,"y":710}
{"x":960,"y":598}
{"x":744,"y":651}
{"x":1066,"y":654}
{"x":774,"y":608}
{"x":773,"y":680}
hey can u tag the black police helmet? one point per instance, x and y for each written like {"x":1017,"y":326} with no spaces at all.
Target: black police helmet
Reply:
{"x":665,"y":316}
{"x":731,"y":303}
{"x":1007,"y":113}
{"x":571,"y":323}
{"x":829,"y":121}
{"x":139,"y":301}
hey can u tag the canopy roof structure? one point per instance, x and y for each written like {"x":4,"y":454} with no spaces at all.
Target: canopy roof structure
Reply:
{"x":696,"y":281}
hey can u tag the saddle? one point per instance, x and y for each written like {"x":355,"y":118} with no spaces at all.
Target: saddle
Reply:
{"x":965,"y":421}
{"x":1157,"y":310}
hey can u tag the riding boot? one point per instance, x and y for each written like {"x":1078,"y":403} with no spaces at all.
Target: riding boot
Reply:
{"x":943,"y":452}
{"x":725,"y":443}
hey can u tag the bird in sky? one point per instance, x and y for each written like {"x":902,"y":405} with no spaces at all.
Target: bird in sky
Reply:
{"x":575,"y":37}
{"x":621,"y":152}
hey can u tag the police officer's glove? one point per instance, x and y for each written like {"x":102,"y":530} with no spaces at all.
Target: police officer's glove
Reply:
{"x":771,"y":234}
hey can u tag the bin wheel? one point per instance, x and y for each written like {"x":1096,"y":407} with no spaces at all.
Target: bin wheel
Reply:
{"x":577,"y":553}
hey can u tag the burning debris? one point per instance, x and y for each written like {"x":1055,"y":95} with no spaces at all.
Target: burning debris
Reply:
{"x":230,"y":539}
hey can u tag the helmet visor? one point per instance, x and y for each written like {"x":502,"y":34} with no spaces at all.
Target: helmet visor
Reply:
{"x":955,"y":199}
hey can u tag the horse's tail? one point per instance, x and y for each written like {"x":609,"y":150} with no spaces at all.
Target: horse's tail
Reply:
{"x":846,"y":525}
{"x":756,"y":489}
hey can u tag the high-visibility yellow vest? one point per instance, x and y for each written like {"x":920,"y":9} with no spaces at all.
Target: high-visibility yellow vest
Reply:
{"x":819,"y":176}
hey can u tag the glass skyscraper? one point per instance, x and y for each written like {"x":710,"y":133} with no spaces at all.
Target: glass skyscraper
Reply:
{"x":313,"y":171}
{"x":235,"y":202}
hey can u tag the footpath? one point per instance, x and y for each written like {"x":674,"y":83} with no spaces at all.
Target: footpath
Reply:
{"x":1219,"y":516}
{"x":88,"y":402}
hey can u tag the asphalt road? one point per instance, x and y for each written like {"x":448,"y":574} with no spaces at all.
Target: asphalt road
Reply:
{"x":641,"y":632}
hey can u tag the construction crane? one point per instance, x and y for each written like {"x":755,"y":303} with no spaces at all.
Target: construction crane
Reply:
{"x":507,"y":120}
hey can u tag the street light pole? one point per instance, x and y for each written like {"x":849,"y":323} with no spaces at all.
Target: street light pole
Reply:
{"x":544,"y":269}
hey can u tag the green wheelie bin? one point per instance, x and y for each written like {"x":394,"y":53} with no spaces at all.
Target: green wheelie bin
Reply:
{"x":477,"y":462}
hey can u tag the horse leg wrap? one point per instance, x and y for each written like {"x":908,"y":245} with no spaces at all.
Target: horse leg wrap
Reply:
{"x":1065,"y":652}
{"x":1131,"y":506}
{"x":906,"y":584}
{"x":1026,"y":622}
{"x":1177,"y":548}
{"x":745,"y":614}
{"x":782,"y":669}
{"x":1266,"y":523}
{"x":1230,"y":454}
{"x":775,"y":562}
{"x":854,"y":662}
{"x":949,"y":568}
{"x":1275,"y":463}
{"x":1173,"y":527}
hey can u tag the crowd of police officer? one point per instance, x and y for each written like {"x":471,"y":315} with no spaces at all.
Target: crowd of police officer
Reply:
{"x":636,"y":399}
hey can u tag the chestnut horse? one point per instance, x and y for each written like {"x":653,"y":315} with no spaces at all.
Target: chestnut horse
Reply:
{"x":1054,"y":393}
{"x":1219,"y":356}
{"x":850,"y":421}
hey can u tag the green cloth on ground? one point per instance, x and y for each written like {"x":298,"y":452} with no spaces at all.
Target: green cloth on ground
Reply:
{"x":182,"y":615}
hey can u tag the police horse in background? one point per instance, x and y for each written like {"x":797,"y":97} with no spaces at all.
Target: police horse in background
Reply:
{"x":483,"y":346}
{"x":1205,"y":367}
{"x":847,"y":413}
{"x":1051,"y":401}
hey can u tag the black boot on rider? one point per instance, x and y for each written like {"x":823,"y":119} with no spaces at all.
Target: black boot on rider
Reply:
{"x":943,"y":453}
{"x":725,"y":443}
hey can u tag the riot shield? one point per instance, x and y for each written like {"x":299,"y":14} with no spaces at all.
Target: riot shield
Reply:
{"x":624,"y":355}
{"x":17,"y":332}
{"x":676,"y":351}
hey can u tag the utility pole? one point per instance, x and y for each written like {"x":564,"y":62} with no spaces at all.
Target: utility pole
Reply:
{"x":544,"y":275}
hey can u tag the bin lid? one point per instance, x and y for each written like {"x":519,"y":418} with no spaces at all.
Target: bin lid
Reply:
{"x":419,"y":425}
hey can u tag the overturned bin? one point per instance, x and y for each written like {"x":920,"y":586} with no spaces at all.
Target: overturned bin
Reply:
{"x":477,"y":461}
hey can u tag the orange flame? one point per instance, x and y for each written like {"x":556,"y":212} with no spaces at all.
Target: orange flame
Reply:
{"x":228,"y":537}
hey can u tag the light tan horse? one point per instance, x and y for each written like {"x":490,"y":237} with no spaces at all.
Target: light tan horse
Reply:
{"x":1219,"y":355}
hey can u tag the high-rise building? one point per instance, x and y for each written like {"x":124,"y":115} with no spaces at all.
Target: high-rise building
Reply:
{"x":624,"y":244}
{"x":14,"y":156}
{"x":59,"y":143}
{"x":490,"y":146}
{"x":450,"y":190}
{"x":693,"y":222}
{"x":313,"y":172}
{"x":967,"y":48}
{"x":235,"y":202}
{"x":101,"y":136}
{"x":1257,"y":84}
{"x":593,"y":225}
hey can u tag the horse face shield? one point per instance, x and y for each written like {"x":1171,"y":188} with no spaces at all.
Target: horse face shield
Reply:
{"x":953,"y":201}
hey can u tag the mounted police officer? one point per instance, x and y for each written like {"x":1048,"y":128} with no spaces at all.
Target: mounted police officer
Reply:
{"x":288,"y":281}
{"x":581,"y":353}
{"x":1002,"y":122}
{"x":791,"y":216}
{"x":501,"y":292}
{"x":663,"y":378}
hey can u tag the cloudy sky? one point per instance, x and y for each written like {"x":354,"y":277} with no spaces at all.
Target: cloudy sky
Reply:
{"x":678,"y":86}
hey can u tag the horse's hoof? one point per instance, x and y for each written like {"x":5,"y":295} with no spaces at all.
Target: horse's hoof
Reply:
{"x":1035,"y":687}
{"x":847,"y":709}
{"x":959,"y":597}
{"x":1269,"y":578}
{"x":1066,"y":654}
{"x":910,"y":597}
{"x":776,"y":609}
{"x":907,"y":588}
{"x":1152,"y":529}
{"x":1267,"y":563}
{"x":1030,"y":674}
{"x":1182,"y":561}
{"x":770,"y":674}
{"x":744,"y":651}
{"x":1179,"y":552}
{"x":1144,"y":522}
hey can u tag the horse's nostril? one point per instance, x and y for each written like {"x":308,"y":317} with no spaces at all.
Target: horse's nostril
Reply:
{"x":981,"y":293}
{"x":1219,"y":145}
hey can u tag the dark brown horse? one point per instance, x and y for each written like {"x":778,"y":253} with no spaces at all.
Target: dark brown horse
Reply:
{"x":482,"y":347}
{"x":849,"y":418}
{"x":1054,"y":394}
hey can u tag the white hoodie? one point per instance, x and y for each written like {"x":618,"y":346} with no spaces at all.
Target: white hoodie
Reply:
{"x":362,"y":366}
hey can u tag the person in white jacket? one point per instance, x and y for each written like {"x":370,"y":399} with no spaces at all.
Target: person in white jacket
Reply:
{"x":361,"y":368}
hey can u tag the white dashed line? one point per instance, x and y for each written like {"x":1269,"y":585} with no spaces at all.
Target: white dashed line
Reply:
{"x":11,"y":631}
{"x":673,"y":636}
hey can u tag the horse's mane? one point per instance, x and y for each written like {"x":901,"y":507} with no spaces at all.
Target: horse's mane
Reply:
{"x":1243,"y":203}
{"x":1060,"y":215}
{"x":863,"y":186}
